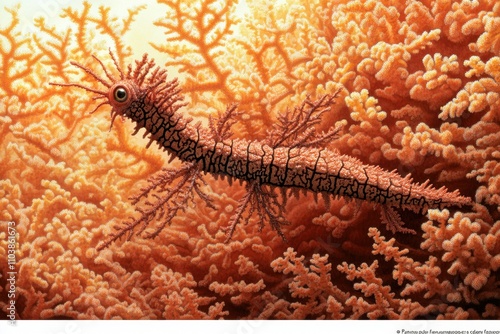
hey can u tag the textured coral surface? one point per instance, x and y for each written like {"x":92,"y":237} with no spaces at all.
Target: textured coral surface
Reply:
{"x":420,"y":93}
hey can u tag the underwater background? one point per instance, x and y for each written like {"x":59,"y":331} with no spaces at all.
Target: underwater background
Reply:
{"x":420,"y":94}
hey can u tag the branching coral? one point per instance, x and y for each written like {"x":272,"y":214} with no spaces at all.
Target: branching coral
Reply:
{"x":61,"y":178}
{"x":312,"y":287}
{"x":418,"y":93}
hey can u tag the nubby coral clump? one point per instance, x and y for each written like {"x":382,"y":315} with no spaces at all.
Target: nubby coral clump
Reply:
{"x":418,"y":92}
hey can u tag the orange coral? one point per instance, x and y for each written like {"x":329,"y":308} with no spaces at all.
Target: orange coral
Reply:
{"x":414,"y":98}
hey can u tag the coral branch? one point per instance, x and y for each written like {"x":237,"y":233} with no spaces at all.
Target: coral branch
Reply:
{"x":168,"y":193}
{"x":266,"y":203}
{"x":296,"y":127}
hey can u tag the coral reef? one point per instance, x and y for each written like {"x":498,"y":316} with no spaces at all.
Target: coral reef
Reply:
{"x":412,"y":97}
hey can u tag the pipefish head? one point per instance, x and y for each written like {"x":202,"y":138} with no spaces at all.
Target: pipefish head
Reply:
{"x":144,"y":81}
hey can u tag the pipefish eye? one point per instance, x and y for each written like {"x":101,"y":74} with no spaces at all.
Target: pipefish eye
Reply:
{"x":120,"y":94}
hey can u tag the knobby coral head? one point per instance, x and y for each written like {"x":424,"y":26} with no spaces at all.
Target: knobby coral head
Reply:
{"x":146,"y":84}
